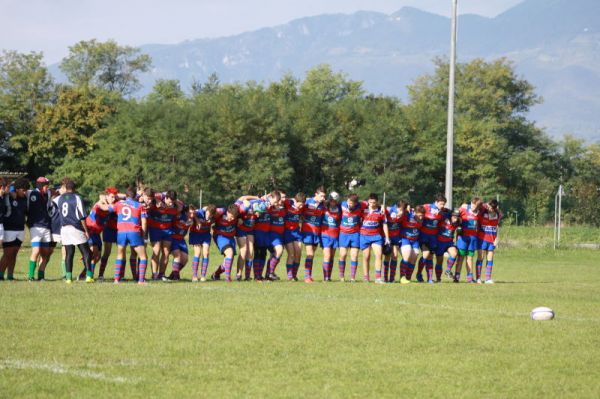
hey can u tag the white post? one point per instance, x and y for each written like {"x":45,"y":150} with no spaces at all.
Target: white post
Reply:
{"x":200,"y":199}
{"x":555,"y":217}
{"x":560,"y":194}
{"x":450,"y":131}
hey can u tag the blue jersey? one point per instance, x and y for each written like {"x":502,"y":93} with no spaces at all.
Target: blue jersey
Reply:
{"x":38,"y":206}
{"x":14,"y":219}
{"x":70,"y":208}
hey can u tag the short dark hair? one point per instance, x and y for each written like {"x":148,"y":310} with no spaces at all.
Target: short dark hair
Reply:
{"x":68,"y":183}
{"x":419,"y":209}
{"x":130,"y":192}
{"x":402,"y":204}
{"x":300,"y":197}
{"x":440,"y":198}
{"x":493,"y":203}
{"x":374,"y":196}
{"x":21,"y":183}
{"x":234,"y":210}
{"x":171,"y":194}
{"x":276,"y":194}
{"x":320,"y":189}
{"x":353,"y":197}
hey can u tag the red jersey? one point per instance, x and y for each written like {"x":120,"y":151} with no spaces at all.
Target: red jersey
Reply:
{"x":446,"y":231}
{"x":180,"y":227}
{"x":201,"y":224}
{"x":224,"y":227}
{"x":432,"y":217}
{"x":331,"y":222}
{"x":351,"y":218}
{"x":394,"y":220}
{"x":372,"y":222}
{"x":161,"y":217}
{"x":129,"y":215}
{"x":313,"y":214}
{"x":277,"y":219}
{"x":470,"y":221}
{"x":292,"y":217}
{"x":488,"y":227}
{"x":247,"y":216}
{"x":96,"y":220}
{"x":411,"y":228}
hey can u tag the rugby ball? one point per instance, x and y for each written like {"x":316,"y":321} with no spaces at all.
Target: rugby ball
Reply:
{"x":542,"y":313}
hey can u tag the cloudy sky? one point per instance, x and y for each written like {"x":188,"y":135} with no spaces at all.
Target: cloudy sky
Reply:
{"x":52,"y":26}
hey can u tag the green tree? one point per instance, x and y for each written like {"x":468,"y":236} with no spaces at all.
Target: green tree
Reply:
{"x":105,"y":65}
{"x":166,"y":90}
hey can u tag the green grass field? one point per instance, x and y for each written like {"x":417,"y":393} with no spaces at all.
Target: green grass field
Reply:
{"x":248,"y":339}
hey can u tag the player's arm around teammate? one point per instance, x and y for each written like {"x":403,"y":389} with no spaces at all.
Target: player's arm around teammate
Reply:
{"x":292,"y":237}
{"x":487,"y":239}
{"x":349,"y":240}
{"x":330,"y":232}
{"x":200,"y":238}
{"x":311,"y":229}
{"x":394,"y":218}
{"x":467,"y":239}
{"x":412,"y":221}
{"x":373,"y":234}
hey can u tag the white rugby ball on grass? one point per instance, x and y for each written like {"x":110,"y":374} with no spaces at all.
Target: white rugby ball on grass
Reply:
{"x":542,"y":313}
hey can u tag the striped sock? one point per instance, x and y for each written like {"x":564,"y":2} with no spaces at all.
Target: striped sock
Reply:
{"x":122,"y":276}
{"x":273,"y":262}
{"x":133,"y":266}
{"x":289,"y":267}
{"x":119,"y":265}
{"x":308,"y":264}
{"x":488,"y":269}
{"x":393,"y":268}
{"x":438,"y":271}
{"x":176,"y":267}
{"x":142,"y":270}
{"x":353,"y":267}
{"x":227,"y":267}
{"x":378,"y":274}
{"x":296,"y":268}
{"x":204,"y":267}
{"x":469,"y":277}
{"x":386,"y":270}
{"x":450,"y":263}
{"x":195,"y":263}
{"x":429,"y":268}
{"x":258,"y":268}
{"x":478,"y":267}
{"x":326,"y":267}
{"x":457,"y":276}
{"x":248,"y":269}
{"x":342,"y":266}
{"x":403,"y":268}
{"x":421,"y":266}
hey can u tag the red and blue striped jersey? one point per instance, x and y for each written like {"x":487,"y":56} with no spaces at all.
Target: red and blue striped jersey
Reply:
{"x":161,"y":217}
{"x":331,"y":222}
{"x":224,"y":227}
{"x":372,"y":222}
{"x":247,"y":216}
{"x":202,"y":225}
{"x":111,"y":223}
{"x":96,"y":220}
{"x":313,"y":214}
{"x":488,"y":228}
{"x":129,"y":215}
{"x":446,"y":231}
{"x":277,"y":219}
{"x":411,"y":228}
{"x":469,"y":221}
{"x":292,"y":217}
{"x":180,"y":227}
{"x":394,"y":220}
{"x":263,"y":221}
{"x":351,"y":218}
{"x":431,"y":219}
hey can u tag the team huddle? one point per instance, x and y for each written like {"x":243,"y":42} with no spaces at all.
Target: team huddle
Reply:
{"x":258,"y":229}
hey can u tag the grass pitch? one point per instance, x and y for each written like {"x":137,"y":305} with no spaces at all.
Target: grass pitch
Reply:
{"x":248,"y":339}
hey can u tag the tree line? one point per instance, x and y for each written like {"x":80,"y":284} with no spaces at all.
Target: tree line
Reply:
{"x":292,"y":134}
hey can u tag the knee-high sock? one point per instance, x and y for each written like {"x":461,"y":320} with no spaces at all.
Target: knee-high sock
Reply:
{"x":429,"y":268}
{"x":478,"y":267}
{"x":450,"y":263}
{"x":353,"y":268}
{"x":410,"y":268}
{"x":142,"y":270}
{"x":326,"y":267}
{"x":342,"y":266}
{"x":488,"y":269}
{"x":273,"y":262}
{"x":204,"y":266}
{"x":296,"y":267}
{"x":308,"y":264}
{"x":438,"y":271}
{"x":393,"y":268}
{"x":386,"y":270}
{"x":247,"y":268}
{"x":289,"y":267}
{"x":195,"y":263}
{"x":227,"y":267}
{"x":119,"y":265}
{"x":133,"y":266}
{"x":421,"y":266}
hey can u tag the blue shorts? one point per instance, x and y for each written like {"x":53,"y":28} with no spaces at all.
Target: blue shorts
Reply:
{"x":291,"y":236}
{"x":131,"y":238}
{"x":466,"y":243}
{"x":109,"y":235}
{"x":443,"y":247}
{"x":159,"y":234}
{"x":199,"y":238}
{"x":95,"y":240}
{"x":428,"y":240}
{"x":242,"y":233}
{"x":414,"y":244}
{"x":311,"y":238}
{"x":275,"y":239}
{"x":262,"y":239}
{"x":366,"y":241}
{"x":349,"y":240}
{"x":179,"y":245}
{"x":225,"y":242}
{"x":485,"y":245}
{"x":329,"y":242}
{"x":396,"y":240}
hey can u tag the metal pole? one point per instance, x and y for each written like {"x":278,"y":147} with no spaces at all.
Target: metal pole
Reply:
{"x":560,"y":192}
{"x":555,"y":217}
{"x":200,"y":199}
{"x":450,"y":131}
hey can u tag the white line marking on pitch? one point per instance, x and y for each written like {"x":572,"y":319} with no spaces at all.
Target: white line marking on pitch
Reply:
{"x":59,"y":369}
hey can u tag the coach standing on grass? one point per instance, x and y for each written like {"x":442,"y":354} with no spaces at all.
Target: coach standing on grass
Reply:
{"x":73,"y":230}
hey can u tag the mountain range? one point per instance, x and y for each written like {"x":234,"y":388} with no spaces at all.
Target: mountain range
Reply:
{"x":554,"y":44}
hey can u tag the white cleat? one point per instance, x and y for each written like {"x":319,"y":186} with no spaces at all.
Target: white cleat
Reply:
{"x":379,"y":281}
{"x":489,"y":281}
{"x":479,"y":281}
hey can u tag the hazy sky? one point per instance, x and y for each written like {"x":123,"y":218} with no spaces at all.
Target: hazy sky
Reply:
{"x":53,"y":25}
